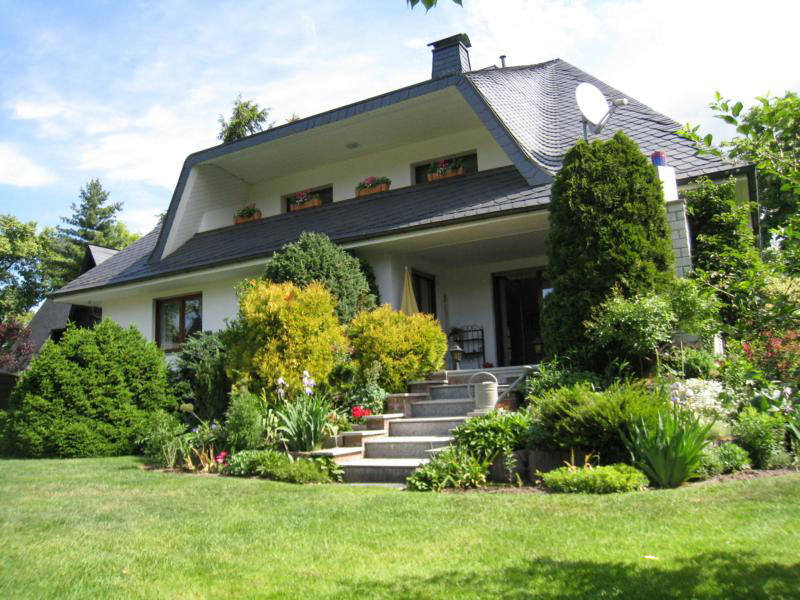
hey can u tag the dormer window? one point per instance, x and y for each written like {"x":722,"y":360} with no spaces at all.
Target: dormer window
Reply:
{"x":308,"y":198}
{"x":468,"y":162}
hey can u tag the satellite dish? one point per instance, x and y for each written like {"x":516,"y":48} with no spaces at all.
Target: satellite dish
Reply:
{"x":592,"y":103}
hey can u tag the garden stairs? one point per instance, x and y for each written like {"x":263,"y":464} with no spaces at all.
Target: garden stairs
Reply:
{"x":417,"y":424}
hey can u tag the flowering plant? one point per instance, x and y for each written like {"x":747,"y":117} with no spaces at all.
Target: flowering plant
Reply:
{"x":372,"y":181}
{"x":704,"y":398}
{"x":442,"y":167}
{"x":359,"y":413}
{"x":303,"y":197}
{"x":249,"y":210}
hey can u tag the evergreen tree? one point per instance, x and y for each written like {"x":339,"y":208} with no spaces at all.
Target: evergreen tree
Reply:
{"x":247,"y":118}
{"x":608,"y":230}
{"x":93,"y":221}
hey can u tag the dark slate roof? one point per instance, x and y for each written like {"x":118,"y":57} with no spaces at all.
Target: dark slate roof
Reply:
{"x":495,"y":192}
{"x":51,"y":315}
{"x":530,"y":111}
{"x":537,"y":104}
{"x":99,"y":254}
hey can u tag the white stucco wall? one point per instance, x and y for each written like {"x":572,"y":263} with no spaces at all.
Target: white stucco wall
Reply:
{"x":464,"y":295}
{"x":219,"y":303}
{"x":204,"y":214}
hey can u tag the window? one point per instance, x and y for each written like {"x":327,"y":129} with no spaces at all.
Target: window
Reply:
{"x":325,"y":195}
{"x":177,"y":319}
{"x":424,"y":292}
{"x":470,"y":162}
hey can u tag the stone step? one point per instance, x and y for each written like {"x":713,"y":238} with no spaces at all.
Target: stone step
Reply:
{"x":423,"y":385}
{"x":441,"y":426}
{"x":442,"y":408}
{"x":375,"y":422}
{"x":380,"y":470}
{"x":338,"y":455}
{"x":404,"y":447}
{"x":351,"y":439}
{"x":401,"y":403}
{"x":448,"y":392}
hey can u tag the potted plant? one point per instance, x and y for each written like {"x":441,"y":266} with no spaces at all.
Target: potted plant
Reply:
{"x":372,"y":185}
{"x":442,"y":169}
{"x":246,"y":213}
{"x":303,"y":200}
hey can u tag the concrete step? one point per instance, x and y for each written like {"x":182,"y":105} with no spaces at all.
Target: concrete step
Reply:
{"x":404,"y":447}
{"x":423,"y":385}
{"x":380,"y":470}
{"x":448,"y":392}
{"x":401,"y":403}
{"x":338,"y":455}
{"x":375,"y":422}
{"x":357,"y":438}
{"x":441,"y":426}
{"x":442,"y":408}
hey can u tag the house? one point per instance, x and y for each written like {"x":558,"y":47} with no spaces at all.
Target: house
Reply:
{"x":474,"y":243}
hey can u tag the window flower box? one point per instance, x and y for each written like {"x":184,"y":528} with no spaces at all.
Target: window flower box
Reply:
{"x":248,"y":213}
{"x":303,"y":200}
{"x":444,"y":169}
{"x":373,"y":185}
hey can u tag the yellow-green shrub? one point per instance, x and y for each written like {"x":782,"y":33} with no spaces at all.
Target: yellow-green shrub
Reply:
{"x":281,"y":331}
{"x":407,"y":347}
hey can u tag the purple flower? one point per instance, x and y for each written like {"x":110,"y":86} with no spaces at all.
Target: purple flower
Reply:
{"x":194,"y":429}
{"x":213,"y":426}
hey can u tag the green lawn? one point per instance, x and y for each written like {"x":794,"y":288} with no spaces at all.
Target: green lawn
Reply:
{"x":106,"y":528}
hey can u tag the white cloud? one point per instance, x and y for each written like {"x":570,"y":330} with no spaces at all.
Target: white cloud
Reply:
{"x":20,"y":171}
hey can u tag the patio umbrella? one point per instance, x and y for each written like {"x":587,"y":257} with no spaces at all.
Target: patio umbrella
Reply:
{"x":408,"y":304}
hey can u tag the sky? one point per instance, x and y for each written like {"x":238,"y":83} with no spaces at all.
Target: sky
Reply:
{"x":125,"y":91}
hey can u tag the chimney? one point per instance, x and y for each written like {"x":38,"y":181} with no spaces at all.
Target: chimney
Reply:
{"x":450,"y":56}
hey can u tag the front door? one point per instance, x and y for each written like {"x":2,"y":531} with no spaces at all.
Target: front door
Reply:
{"x":518,"y":299}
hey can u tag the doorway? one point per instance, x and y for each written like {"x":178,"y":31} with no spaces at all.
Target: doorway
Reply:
{"x":518,"y":297}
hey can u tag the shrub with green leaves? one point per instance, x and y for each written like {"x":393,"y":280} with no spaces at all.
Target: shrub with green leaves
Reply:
{"x":581,"y":418}
{"x":608,"y":229}
{"x":278,"y":466}
{"x":244,"y":421}
{"x":406,"y":347}
{"x":760,"y":434}
{"x":451,"y":468}
{"x":723,"y":245}
{"x":669,"y":451}
{"x":314,"y":257}
{"x":609,"y":479}
{"x":721,"y":459}
{"x":161,"y":443}
{"x":631,"y":329}
{"x":696,"y":307}
{"x":89,"y":394}
{"x":555,"y":373}
{"x":282,"y":330}
{"x":200,"y":375}
{"x":692,"y":362}
{"x":488,"y":436}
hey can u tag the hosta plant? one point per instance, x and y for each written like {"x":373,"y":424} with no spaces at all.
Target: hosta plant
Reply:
{"x":451,"y":468}
{"x":669,"y":451}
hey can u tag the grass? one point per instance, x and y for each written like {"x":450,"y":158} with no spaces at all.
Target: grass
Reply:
{"x":102,"y":528}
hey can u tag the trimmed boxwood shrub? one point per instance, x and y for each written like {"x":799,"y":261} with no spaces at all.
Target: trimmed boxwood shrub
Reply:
{"x":281,"y":331}
{"x":90,"y":394}
{"x":407,"y":347}
{"x":314,"y":257}
{"x":595,"y":480}
{"x":608,"y":230}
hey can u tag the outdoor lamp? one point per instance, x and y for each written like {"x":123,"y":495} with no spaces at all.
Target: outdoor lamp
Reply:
{"x":455,"y":353}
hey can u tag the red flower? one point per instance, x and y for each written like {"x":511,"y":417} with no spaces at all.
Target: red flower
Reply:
{"x":221,"y":457}
{"x":359,"y":412}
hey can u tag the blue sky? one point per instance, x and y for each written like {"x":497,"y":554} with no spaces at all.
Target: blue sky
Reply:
{"x":124,"y":91}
